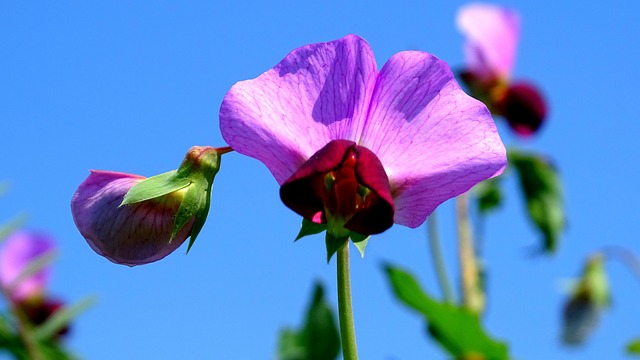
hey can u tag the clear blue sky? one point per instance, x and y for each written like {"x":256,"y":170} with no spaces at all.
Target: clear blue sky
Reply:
{"x":130,"y":86}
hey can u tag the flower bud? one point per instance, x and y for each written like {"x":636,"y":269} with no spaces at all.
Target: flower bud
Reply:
{"x":590,"y":296}
{"x":132,"y":220}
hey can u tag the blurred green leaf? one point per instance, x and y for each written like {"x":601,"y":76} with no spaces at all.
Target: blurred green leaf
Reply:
{"x":488,"y":195}
{"x":542,"y":189}
{"x":458,"y":330}
{"x":11,"y":226}
{"x":633,"y":348}
{"x":61,"y":318}
{"x":318,"y":339}
{"x":12,"y":343}
{"x":310,"y":228}
{"x":155,"y":186}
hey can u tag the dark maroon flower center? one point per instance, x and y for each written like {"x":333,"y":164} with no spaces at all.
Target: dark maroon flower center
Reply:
{"x":343,"y":185}
{"x":38,"y":311}
{"x":523,"y":107}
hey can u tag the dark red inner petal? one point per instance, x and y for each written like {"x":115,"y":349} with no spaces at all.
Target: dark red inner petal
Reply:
{"x":342,"y":180}
{"x":524,"y":108}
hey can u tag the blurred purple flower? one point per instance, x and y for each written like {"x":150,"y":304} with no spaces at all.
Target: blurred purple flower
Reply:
{"x":132,"y":234}
{"x":356,"y":147}
{"x":18,"y":250}
{"x":491,"y":36}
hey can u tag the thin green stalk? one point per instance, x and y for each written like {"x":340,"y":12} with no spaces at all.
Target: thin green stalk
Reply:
{"x":438,"y":259}
{"x":345,"y":308}
{"x":472,"y":292}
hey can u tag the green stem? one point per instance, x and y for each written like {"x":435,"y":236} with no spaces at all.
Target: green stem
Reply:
{"x":223,"y":150}
{"x":438,"y":260}
{"x":472,"y":293}
{"x":22,"y":326}
{"x":345,"y":308}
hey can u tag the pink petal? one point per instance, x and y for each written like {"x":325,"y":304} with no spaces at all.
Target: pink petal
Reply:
{"x":20,"y":248}
{"x":434,"y":140}
{"x":132,"y":234}
{"x":491,"y":34}
{"x":318,"y":93}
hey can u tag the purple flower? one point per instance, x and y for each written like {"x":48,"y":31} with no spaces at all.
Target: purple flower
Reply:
{"x":20,"y":249}
{"x":491,"y":37}
{"x":357,"y":148}
{"x":132,"y":234}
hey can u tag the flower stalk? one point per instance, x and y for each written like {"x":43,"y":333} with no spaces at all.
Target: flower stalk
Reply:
{"x":345,"y":307}
{"x":472,"y":293}
{"x":438,"y":259}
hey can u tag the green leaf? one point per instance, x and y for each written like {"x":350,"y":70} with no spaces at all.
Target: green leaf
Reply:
{"x":310,"y":228}
{"x":488,"y":195}
{"x":633,"y":348}
{"x":62,"y":318}
{"x":155,"y":186}
{"x":334,"y":244}
{"x":290,"y":345}
{"x":318,"y":339}
{"x":458,"y":330}
{"x":360,"y":241}
{"x":543,"y":194}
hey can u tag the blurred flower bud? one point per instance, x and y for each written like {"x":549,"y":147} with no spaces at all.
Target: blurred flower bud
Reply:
{"x":590,"y":296}
{"x":523,"y":107}
{"x":39,"y":311}
{"x":19,"y":250}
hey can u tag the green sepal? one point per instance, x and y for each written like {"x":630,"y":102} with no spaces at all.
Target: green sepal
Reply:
{"x":206,"y":171}
{"x":155,"y":187}
{"x":197,"y":172}
{"x":310,"y":228}
{"x":456,"y":329}
{"x":318,"y":339}
{"x":542,"y":190}
{"x":633,"y":347}
{"x":191,"y":203}
{"x":334,"y":244}
{"x":360,"y":241}
{"x":201,"y":214}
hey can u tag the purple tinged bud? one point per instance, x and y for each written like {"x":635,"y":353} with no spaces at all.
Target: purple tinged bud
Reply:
{"x":132,"y":234}
{"x":154,"y":218}
{"x":20,"y":249}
